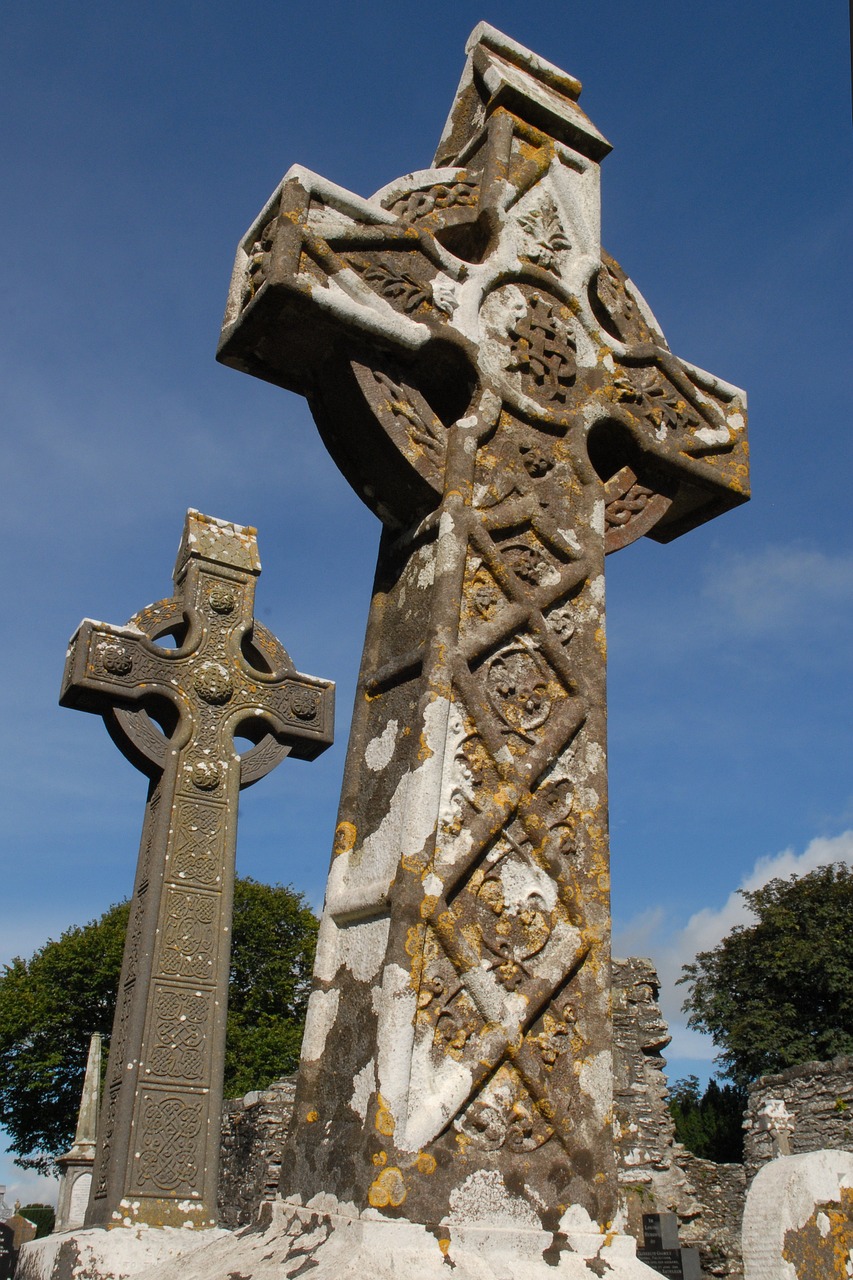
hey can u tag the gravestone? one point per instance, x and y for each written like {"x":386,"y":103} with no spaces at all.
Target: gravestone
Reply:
{"x":8,"y":1252}
{"x":662,"y":1249}
{"x":798,"y":1219}
{"x":497,"y":391}
{"x":75,"y":1167}
{"x":158,"y":1134}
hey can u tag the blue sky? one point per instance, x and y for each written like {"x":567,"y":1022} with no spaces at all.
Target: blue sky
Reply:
{"x":141,"y":140}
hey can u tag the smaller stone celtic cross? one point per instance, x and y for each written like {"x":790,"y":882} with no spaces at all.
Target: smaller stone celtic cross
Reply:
{"x":174,"y":712}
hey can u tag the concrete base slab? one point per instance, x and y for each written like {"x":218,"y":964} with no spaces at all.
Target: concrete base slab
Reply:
{"x":330,"y":1243}
{"x":117,"y":1254}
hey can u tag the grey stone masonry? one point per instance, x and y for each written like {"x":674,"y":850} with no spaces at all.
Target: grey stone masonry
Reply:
{"x":818,"y":1097}
{"x":253,"y":1132}
{"x":656,"y":1174}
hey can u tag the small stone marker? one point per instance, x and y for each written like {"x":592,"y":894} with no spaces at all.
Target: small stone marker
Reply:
{"x":75,"y":1167}
{"x":497,"y":390}
{"x":662,"y":1249}
{"x":159,"y":1130}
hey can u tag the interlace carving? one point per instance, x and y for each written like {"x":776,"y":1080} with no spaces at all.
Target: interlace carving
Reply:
{"x":170,"y":1152}
{"x":542,"y":351}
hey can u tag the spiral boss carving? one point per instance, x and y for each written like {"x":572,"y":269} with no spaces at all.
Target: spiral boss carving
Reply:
{"x":158,"y":1145}
{"x":498,"y":392}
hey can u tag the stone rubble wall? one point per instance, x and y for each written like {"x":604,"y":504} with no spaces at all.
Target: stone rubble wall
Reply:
{"x":253,"y":1132}
{"x":656,"y":1173}
{"x":819,"y":1100}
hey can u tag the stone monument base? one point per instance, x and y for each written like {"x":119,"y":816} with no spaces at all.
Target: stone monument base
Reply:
{"x":116,"y":1254}
{"x":332,"y":1242}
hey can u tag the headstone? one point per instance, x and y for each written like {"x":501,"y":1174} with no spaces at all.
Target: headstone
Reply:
{"x":158,"y":1134}
{"x":22,"y":1230}
{"x":7,"y":1251}
{"x":798,"y":1220}
{"x":498,"y":392}
{"x":5,"y":1211}
{"x":75,"y":1167}
{"x":662,"y":1249}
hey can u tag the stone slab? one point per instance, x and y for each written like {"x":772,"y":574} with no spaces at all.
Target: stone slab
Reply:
{"x":330,"y":1242}
{"x":99,"y":1254}
{"x":785,"y":1195}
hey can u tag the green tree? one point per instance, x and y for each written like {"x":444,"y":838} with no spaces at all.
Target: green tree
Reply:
{"x":780,"y":991}
{"x":42,"y":1215}
{"x":51,"y":1004}
{"x":709,"y":1124}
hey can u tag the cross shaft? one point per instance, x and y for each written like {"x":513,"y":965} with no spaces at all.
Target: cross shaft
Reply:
{"x":498,"y":392}
{"x":159,"y":1132}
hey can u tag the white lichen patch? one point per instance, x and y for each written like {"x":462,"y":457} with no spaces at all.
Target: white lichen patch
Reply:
{"x":426,"y":573}
{"x":397,"y":1008}
{"x":319,"y":1020}
{"x":379,"y":751}
{"x":596,"y":1081}
{"x":526,"y":886}
{"x":596,"y":588}
{"x":364,"y":1083}
{"x":360,"y":879}
{"x":484,"y":1198}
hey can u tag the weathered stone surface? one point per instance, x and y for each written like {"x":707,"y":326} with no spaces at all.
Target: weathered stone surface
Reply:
{"x":818,"y":1097}
{"x":797,"y":1224}
{"x":253,"y":1132}
{"x":159,"y":1132}
{"x":498,"y":392}
{"x":655,"y":1173}
{"x":714,"y":1228}
{"x":96,"y":1254}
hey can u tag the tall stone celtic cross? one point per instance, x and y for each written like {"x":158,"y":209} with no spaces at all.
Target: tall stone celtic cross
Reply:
{"x":157,"y":1158}
{"x":497,"y":391}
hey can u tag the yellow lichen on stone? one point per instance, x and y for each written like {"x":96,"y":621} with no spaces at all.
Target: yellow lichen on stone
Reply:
{"x":387,"y":1188}
{"x":384,"y":1122}
{"x":425,"y":1163}
{"x":345,"y":838}
{"x":822,"y":1248}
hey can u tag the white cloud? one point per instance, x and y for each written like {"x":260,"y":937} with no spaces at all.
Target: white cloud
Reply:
{"x":652,"y":933}
{"x":24,"y":1184}
{"x":779,"y":586}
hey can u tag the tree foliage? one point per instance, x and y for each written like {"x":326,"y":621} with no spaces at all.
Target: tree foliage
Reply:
{"x":709,"y":1124}
{"x":52,"y":1003}
{"x":780,"y":991}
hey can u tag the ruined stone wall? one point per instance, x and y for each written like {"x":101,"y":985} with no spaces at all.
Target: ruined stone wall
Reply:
{"x":656,"y":1173}
{"x":253,"y":1130}
{"x":819,"y":1099}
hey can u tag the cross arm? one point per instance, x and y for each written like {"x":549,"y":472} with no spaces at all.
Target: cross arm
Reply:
{"x":109,"y":666}
{"x":300,"y":711}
